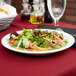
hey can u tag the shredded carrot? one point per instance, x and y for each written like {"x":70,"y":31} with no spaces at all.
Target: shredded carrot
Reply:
{"x":48,"y":40}
{"x":58,"y":39}
{"x":21,"y":34}
{"x":62,"y":37}
{"x":41,"y":49}
{"x":21,"y":49}
{"x":44,"y":34}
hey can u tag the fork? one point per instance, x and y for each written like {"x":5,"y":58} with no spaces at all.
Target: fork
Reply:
{"x":59,"y":29}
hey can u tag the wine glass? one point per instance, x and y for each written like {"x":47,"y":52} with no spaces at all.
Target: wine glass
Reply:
{"x":56,"y":9}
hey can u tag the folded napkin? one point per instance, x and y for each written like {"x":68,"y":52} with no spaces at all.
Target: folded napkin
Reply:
{"x":68,"y":30}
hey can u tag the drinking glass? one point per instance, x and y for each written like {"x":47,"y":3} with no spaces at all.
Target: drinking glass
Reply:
{"x":56,"y":9}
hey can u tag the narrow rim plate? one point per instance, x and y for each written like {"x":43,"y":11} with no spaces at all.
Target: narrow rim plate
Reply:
{"x":67,"y":37}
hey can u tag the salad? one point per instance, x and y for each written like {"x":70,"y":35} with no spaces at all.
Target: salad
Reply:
{"x":37,"y":40}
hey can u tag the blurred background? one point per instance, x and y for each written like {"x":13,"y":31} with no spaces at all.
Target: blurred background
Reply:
{"x":68,"y":17}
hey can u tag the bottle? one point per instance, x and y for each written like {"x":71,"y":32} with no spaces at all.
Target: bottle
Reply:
{"x":48,"y":18}
{"x":37,"y":16}
{"x":25,"y":13}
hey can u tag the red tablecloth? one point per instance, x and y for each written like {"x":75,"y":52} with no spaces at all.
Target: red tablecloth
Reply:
{"x":15,"y":64}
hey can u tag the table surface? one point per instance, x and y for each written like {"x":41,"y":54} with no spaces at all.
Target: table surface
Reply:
{"x":16,"y":64}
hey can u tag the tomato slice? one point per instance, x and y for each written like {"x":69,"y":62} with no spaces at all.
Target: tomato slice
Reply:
{"x":48,"y":43}
{"x":12,"y":41}
{"x":30,"y":47}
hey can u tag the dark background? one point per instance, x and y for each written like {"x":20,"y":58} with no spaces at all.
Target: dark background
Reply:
{"x":68,"y":17}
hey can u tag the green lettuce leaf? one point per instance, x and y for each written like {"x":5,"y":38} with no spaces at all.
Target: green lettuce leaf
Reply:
{"x":45,"y":44}
{"x":39,"y":40}
{"x":32,"y":38}
{"x":24,"y":31}
{"x":55,"y":46}
{"x":48,"y":37}
{"x":15,"y":43}
{"x":28,"y":34}
{"x":61,"y":34}
{"x":65,"y":42}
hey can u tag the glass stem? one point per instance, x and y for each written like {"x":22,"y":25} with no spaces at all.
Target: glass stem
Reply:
{"x":56,"y":22}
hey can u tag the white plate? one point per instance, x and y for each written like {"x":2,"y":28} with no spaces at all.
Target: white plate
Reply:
{"x":67,"y":37}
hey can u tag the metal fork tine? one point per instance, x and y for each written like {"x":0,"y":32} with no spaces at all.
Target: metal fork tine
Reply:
{"x":59,"y":29}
